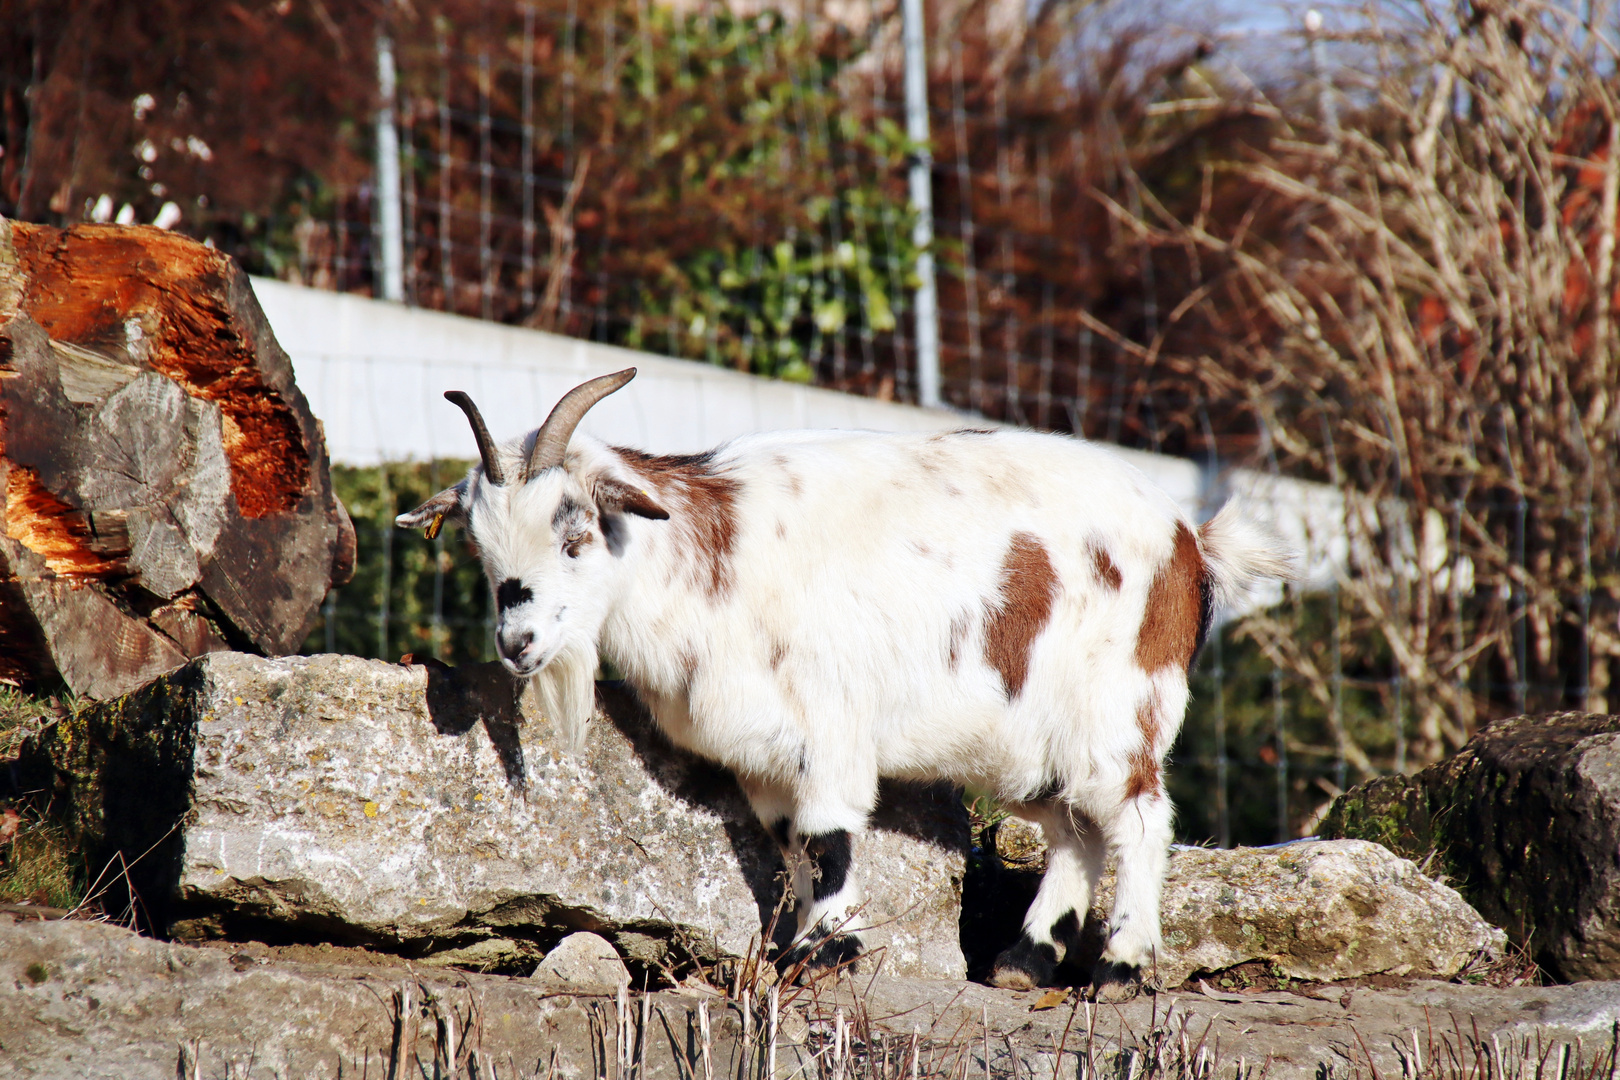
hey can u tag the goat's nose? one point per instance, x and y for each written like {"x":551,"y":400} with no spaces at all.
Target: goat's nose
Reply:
{"x":512,"y":645}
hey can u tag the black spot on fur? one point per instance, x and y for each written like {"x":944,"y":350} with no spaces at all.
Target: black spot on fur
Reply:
{"x":782,"y":832}
{"x":1206,"y":616}
{"x":615,"y":533}
{"x":567,"y":512}
{"x":1111,"y":974}
{"x":511,"y":593}
{"x":829,"y":856}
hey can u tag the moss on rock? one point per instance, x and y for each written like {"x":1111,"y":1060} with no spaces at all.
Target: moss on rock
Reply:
{"x":1525,"y":821}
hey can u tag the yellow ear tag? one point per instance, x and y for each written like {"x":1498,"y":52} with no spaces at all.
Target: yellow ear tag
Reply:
{"x":434,"y":526}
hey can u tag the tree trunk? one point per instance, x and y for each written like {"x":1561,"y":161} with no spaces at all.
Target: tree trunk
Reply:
{"x":165,"y":485}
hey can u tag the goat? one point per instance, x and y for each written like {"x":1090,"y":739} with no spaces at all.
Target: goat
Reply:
{"x":1011,"y":611}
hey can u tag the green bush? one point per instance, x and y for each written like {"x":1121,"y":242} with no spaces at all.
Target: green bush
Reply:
{"x":409,"y":594}
{"x":1240,"y":694}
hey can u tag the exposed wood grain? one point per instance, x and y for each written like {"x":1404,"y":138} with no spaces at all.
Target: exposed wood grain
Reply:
{"x":163,"y":485}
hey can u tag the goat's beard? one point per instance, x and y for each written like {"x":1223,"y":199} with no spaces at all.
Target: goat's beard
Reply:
{"x":566,"y":691}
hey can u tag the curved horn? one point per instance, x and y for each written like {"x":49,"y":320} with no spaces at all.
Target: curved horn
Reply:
{"x":551,"y":441}
{"x":486,"y":445}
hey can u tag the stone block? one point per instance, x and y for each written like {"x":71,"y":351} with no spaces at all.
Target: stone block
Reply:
{"x":1525,"y":821}
{"x":427,"y":810}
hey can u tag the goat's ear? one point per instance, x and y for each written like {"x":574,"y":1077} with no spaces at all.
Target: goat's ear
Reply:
{"x":447,"y":505}
{"x":616,"y":496}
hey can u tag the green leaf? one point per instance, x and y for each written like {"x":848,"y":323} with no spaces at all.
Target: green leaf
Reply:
{"x":795,"y":370}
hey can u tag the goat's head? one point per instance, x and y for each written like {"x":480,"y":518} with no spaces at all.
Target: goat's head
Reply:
{"x":549,"y":525}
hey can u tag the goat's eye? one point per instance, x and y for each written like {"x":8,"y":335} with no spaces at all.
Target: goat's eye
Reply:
{"x":573,"y":542}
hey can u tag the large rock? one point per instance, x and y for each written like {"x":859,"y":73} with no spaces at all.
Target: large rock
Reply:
{"x":1525,"y":820}
{"x":1319,"y":910}
{"x":423,"y":810}
{"x":1310,"y":910}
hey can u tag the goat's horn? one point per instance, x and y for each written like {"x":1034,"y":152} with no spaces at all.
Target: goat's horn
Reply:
{"x":486,"y":445}
{"x":551,"y":441}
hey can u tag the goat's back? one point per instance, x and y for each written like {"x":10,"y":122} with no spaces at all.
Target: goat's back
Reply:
{"x":955,"y":601}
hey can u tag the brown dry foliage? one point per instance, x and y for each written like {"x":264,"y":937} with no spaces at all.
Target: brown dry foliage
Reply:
{"x":1417,"y":307}
{"x":246,"y":97}
{"x":1434,"y":334}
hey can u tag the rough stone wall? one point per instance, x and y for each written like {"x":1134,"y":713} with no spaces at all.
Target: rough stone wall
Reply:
{"x":427,"y":810}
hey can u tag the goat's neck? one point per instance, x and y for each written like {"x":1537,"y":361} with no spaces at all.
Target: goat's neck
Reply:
{"x":652,"y":632}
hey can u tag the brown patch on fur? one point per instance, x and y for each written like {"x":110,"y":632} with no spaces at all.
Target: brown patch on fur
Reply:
{"x":778,"y":653}
{"x":1028,"y":587}
{"x":1144,"y":779}
{"x":1107,"y":572}
{"x":1174,"y":614}
{"x":959,"y":632}
{"x":701,"y":502}
{"x":795,"y":485}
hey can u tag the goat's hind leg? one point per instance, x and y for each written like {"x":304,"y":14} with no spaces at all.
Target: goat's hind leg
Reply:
{"x":1074,"y":862}
{"x":1139,"y":834}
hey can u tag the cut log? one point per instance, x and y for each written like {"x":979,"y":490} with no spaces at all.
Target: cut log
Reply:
{"x":165,"y":485}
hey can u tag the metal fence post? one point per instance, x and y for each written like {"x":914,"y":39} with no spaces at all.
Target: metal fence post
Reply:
{"x":922,"y":204}
{"x":390,"y":217}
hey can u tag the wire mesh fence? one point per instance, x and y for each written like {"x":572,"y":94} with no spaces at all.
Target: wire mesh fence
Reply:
{"x":1394,"y":277}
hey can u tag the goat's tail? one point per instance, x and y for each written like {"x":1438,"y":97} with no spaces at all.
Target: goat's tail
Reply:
{"x":1239,"y":553}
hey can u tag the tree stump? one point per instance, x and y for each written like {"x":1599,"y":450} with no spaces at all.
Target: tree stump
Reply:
{"x":165,"y":485}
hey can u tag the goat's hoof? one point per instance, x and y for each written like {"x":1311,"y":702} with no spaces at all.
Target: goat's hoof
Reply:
{"x":1010,"y":978}
{"x":1024,"y":965}
{"x":818,"y":954}
{"x":1113,"y":982}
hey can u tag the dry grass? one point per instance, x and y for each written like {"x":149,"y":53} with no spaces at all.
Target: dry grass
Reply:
{"x":832,"y":1032}
{"x":39,"y":865}
{"x":23,"y":715}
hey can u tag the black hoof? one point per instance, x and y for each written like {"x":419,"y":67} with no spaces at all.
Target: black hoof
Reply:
{"x":1115,"y":982}
{"x":818,"y":953}
{"x":1025,"y":965}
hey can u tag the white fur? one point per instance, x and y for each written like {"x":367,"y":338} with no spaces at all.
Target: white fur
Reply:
{"x":854,"y":554}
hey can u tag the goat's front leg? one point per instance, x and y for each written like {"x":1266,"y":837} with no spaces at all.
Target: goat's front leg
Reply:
{"x":819,"y":856}
{"x":827,"y":896}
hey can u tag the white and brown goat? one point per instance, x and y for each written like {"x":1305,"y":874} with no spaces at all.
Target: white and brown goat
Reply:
{"x":1011,"y":611}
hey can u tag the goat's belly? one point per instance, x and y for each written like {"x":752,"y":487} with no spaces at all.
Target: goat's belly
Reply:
{"x":987,"y":747}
